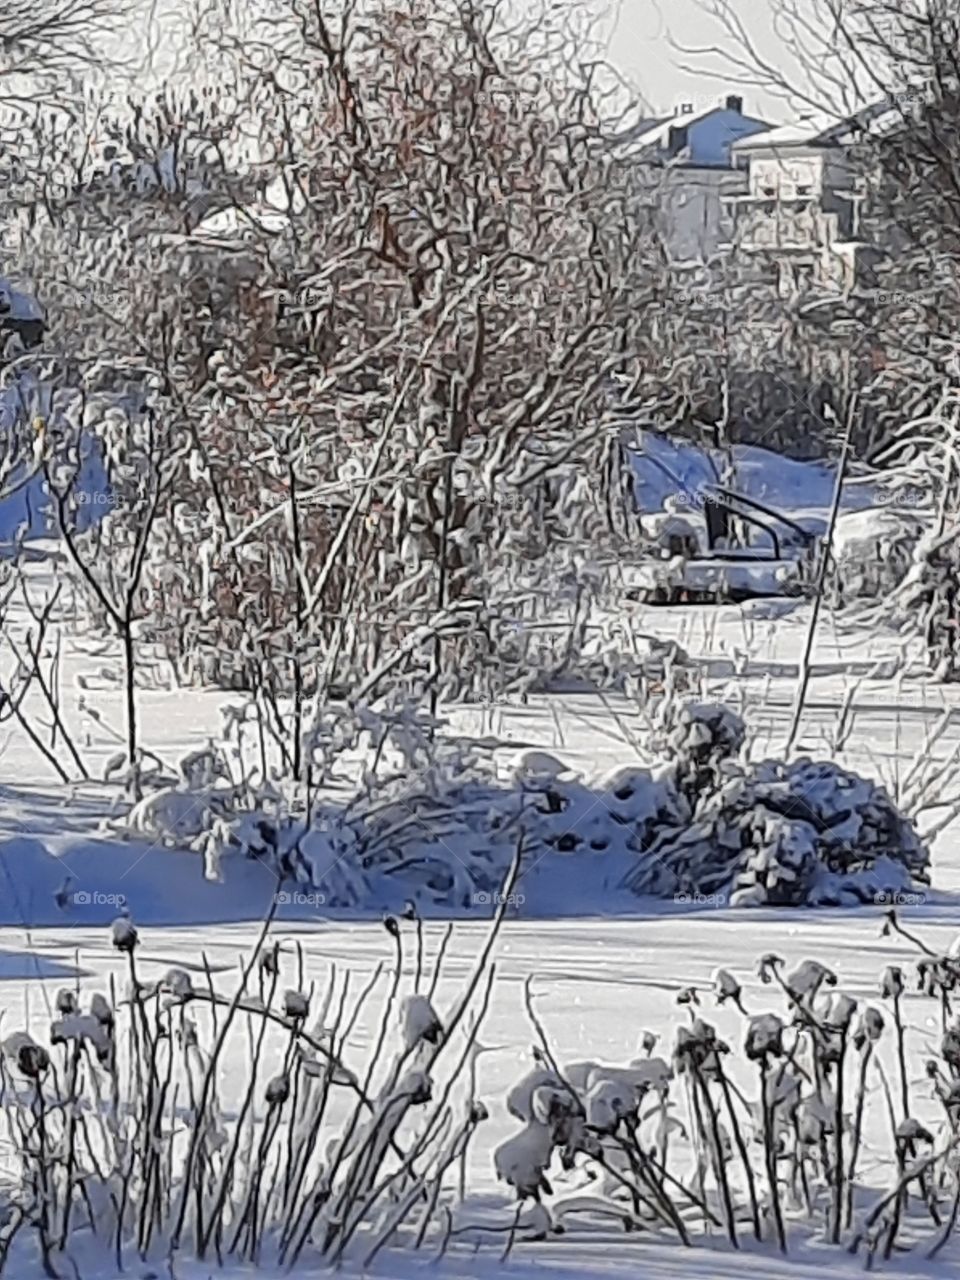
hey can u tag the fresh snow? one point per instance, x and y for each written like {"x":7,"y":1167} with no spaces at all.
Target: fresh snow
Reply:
{"x":605,"y":967}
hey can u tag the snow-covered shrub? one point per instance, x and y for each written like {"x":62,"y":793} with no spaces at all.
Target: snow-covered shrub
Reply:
{"x":788,"y":834}
{"x":698,"y":738}
{"x":872,"y":552}
{"x":927,"y":601}
{"x":402,"y":810}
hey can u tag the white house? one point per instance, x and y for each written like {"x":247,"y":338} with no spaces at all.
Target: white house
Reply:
{"x":802,"y":209}
{"x":688,"y":170}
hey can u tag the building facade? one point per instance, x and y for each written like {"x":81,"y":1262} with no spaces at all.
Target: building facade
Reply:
{"x":801,"y":214}
{"x":686,"y":172}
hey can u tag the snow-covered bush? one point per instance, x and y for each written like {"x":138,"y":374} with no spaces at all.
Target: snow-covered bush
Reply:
{"x":872,"y":552}
{"x":698,"y":738}
{"x":927,"y":601}
{"x":401,"y":810}
{"x":787,"y":834}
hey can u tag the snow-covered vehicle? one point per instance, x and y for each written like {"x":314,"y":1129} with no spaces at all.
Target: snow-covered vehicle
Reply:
{"x":721,"y":545}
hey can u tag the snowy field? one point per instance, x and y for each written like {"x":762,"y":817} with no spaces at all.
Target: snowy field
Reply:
{"x":603,"y":965}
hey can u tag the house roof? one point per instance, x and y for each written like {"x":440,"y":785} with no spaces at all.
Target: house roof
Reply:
{"x":638,"y":129}
{"x":824,"y":129}
{"x":809,"y":130}
{"x":650,"y":134}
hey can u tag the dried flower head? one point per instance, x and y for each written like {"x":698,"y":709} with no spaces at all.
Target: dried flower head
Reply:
{"x":891,"y":984}
{"x":764,"y":1037}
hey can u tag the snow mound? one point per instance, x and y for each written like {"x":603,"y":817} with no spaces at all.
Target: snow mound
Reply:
{"x":666,"y":469}
{"x":789,"y":834}
{"x":873,"y":550}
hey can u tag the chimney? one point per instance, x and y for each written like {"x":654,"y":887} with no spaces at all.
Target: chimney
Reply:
{"x":734,"y":103}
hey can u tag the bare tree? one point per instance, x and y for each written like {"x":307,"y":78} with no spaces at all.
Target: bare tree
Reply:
{"x":386,"y":346}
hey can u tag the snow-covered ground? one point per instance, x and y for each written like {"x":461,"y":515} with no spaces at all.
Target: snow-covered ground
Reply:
{"x":604,"y":965}
{"x":597,"y":985}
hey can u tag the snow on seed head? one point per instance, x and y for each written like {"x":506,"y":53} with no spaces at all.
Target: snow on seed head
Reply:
{"x":648,"y":1042}
{"x":124,"y":934}
{"x":177,"y":982}
{"x":688,"y":1051}
{"x":869,"y":1029}
{"x":840,"y":1010}
{"x":79,"y":1026}
{"x":725,"y":986}
{"x":650,"y":1073}
{"x":520,"y":1097}
{"x":891,"y":984}
{"x":101,"y":1009}
{"x":419,"y":1022}
{"x":808,"y":977}
{"x":30,"y":1058}
{"x":523,"y":1159}
{"x":609,"y":1101}
{"x":764,"y":1037}
{"x":549,"y":1104}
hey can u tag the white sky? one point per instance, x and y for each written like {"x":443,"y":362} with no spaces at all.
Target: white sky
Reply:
{"x":644,"y":36}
